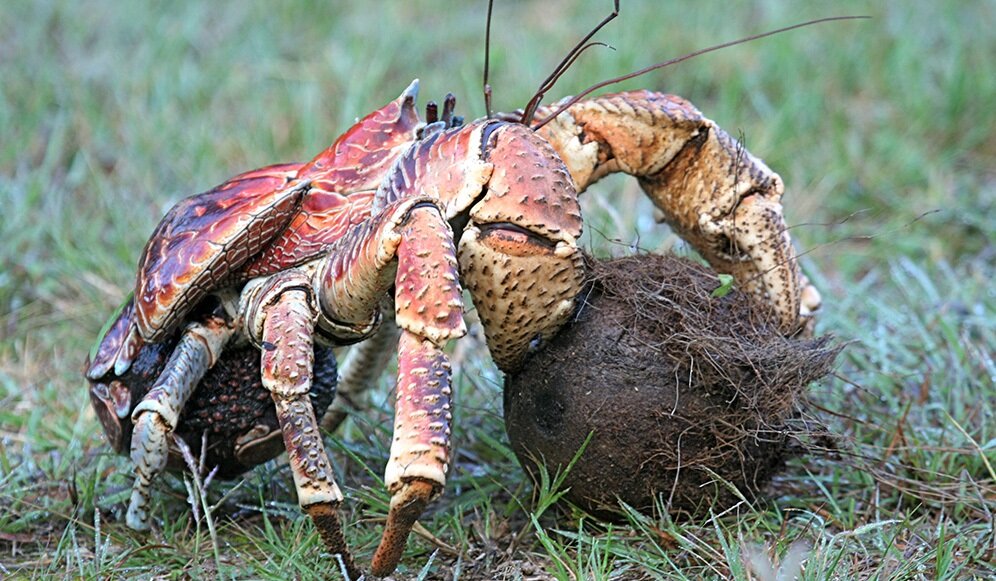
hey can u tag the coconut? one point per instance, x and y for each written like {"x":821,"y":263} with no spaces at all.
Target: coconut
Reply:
{"x":690,"y":400}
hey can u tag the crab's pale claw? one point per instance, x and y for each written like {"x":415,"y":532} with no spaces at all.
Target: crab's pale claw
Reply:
{"x":118,"y":344}
{"x":156,"y":416}
{"x":721,"y":199}
{"x":810,"y":304}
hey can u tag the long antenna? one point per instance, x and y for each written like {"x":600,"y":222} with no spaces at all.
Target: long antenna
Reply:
{"x":547,"y":84}
{"x":686,"y":57}
{"x":487,"y":61}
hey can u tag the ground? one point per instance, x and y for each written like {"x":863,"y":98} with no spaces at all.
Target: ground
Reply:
{"x":883,"y":131}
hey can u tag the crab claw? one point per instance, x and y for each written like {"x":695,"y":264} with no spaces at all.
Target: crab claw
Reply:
{"x":751,"y":242}
{"x":721,"y":199}
{"x":118,"y":344}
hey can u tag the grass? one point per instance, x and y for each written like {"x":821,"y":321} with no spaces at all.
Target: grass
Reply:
{"x":883,"y":130}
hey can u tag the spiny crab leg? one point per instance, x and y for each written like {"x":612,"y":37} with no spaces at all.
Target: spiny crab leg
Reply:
{"x":156,"y":416}
{"x":721,"y":199}
{"x":412,"y":241}
{"x":419,"y":460}
{"x":279,"y":312}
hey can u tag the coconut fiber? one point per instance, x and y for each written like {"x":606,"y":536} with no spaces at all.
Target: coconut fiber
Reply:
{"x":690,"y":400}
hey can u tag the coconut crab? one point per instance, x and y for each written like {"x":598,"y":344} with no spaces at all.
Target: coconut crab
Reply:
{"x":405,"y":213}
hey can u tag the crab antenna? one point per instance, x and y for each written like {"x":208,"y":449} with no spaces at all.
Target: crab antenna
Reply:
{"x":683,"y":58}
{"x":577,"y":54}
{"x":487,"y":58}
{"x":542,"y":92}
{"x":547,"y":84}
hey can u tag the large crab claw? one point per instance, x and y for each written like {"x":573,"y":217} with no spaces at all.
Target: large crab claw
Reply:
{"x":721,"y":199}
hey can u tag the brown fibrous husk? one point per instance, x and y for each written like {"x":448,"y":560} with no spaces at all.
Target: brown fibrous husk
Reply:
{"x":691,"y":401}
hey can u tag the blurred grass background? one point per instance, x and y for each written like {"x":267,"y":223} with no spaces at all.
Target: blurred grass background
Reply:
{"x":885,"y":133}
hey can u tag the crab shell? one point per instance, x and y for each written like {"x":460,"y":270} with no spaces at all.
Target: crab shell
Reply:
{"x":255,"y":224}
{"x":266,"y":220}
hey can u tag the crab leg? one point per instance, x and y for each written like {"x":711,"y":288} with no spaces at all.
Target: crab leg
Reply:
{"x":409,"y":245}
{"x":721,"y":199}
{"x":156,"y":416}
{"x":287,"y":361}
{"x":416,"y":471}
{"x":279,"y":314}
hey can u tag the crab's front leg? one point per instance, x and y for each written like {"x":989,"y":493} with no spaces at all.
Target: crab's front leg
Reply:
{"x":721,"y":199}
{"x":409,"y":245}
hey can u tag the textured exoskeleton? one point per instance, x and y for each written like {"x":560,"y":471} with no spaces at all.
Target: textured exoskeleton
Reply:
{"x":298,"y":255}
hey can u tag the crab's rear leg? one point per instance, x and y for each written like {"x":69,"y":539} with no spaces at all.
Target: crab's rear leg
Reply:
{"x":156,"y":416}
{"x":715,"y":194}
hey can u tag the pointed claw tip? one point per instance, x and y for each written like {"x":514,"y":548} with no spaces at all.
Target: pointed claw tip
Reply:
{"x":121,"y":366}
{"x":326,"y":519}
{"x":95,"y":371}
{"x":406,"y":506}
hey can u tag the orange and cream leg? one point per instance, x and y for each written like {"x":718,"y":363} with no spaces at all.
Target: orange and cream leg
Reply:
{"x":279,"y":314}
{"x":721,"y":199}
{"x":408,"y":245}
